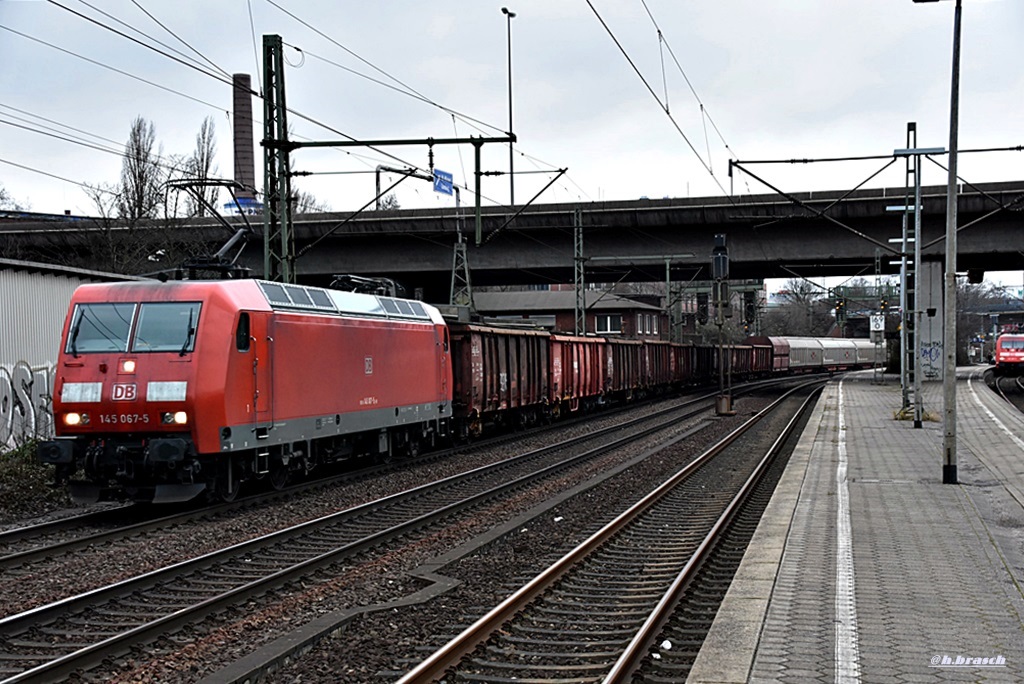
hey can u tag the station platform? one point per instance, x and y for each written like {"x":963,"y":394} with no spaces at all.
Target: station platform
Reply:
{"x":865,"y":567}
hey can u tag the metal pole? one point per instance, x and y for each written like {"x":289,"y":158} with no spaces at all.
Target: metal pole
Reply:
{"x":916,"y":337}
{"x":905,"y":302}
{"x":476,"y":189}
{"x":511,"y":177}
{"x":904,"y":370}
{"x":579,"y":263}
{"x":668,"y":297}
{"x":949,"y":463}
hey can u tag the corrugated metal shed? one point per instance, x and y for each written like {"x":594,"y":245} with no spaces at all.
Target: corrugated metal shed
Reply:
{"x":33,"y":302}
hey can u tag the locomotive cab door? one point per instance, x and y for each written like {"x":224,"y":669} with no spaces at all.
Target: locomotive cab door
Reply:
{"x":254,"y":329}
{"x":444,"y":368}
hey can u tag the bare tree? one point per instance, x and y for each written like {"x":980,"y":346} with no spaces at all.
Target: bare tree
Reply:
{"x":142,"y":176}
{"x":305,"y":203}
{"x":974,"y":304}
{"x":7,"y":202}
{"x":389,"y":202}
{"x":200,"y":166}
{"x":804,"y":309}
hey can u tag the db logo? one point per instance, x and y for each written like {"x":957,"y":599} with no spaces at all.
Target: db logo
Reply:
{"x":124,"y":392}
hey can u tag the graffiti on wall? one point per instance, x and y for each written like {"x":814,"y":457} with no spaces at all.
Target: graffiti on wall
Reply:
{"x":931,"y":359}
{"x":25,"y":406}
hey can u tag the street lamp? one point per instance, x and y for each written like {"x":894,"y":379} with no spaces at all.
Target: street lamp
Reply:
{"x":511,"y":178}
{"x":949,"y":462}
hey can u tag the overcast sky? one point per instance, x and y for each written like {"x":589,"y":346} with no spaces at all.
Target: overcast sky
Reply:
{"x":770,"y":80}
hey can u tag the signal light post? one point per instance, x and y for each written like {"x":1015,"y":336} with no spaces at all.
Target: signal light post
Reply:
{"x":720,"y":273}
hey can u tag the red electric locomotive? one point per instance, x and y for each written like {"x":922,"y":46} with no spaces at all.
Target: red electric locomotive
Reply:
{"x":167,"y":390}
{"x":1009,"y":354}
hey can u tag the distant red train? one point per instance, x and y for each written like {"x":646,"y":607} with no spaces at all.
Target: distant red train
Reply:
{"x":1009,"y":355}
{"x":165,"y":391}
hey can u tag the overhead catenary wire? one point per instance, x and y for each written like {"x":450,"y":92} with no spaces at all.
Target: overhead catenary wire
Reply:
{"x":647,"y":85}
{"x":214,"y":71}
{"x":703,"y":109}
{"x":161,"y":162}
{"x":479,"y":125}
{"x":328,"y":38}
{"x":255,"y":50}
{"x":85,"y":186}
{"x":122,"y":72}
{"x":165,"y":88}
{"x":55,"y":123}
{"x":178,"y":38}
{"x":401,"y":87}
{"x":185,"y":62}
{"x":137,"y":30}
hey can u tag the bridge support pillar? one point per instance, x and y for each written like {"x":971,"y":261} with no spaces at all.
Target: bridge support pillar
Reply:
{"x":929,"y":333}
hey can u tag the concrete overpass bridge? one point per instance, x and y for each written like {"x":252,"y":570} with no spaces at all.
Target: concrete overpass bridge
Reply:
{"x":769,"y":236}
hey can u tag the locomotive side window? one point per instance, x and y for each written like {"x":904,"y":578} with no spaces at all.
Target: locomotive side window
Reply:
{"x":242,"y":333}
{"x":100,"y":328}
{"x":167,"y":326}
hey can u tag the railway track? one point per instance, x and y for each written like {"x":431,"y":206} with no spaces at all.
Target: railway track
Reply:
{"x":1011,"y":389}
{"x":598,"y":614}
{"x":53,"y":641}
{"x":24,"y":545}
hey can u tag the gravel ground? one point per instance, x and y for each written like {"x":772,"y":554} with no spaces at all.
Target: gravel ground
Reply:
{"x":44,"y":582}
{"x":378,"y":640}
{"x":374,"y":640}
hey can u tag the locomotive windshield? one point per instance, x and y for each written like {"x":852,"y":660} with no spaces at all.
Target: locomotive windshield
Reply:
{"x":100,"y":328}
{"x":166,"y":326}
{"x":161,"y":327}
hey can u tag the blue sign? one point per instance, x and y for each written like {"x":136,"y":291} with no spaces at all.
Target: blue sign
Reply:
{"x":244,"y":205}
{"x":442,"y":182}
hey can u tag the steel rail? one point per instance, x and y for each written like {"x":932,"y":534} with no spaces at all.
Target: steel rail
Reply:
{"x":437,"y":664}
{"x":87,"y":656}
{"x":638,"y":649}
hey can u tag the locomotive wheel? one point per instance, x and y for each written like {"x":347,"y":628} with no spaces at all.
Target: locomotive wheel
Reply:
{"x":227,"y":478}
{"x":226,"y":496}
{"x":278,"y":475}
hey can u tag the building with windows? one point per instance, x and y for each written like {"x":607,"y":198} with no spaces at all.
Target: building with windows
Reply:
{"x":606,"y":313}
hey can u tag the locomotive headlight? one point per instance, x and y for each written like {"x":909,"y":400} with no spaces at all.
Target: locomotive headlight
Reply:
{"x":175,"y":418}
{"x":72,"y":419}
{"x":126,"y":366}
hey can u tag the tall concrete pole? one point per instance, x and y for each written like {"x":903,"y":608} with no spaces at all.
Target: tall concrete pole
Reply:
{"x":949,"y":463}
